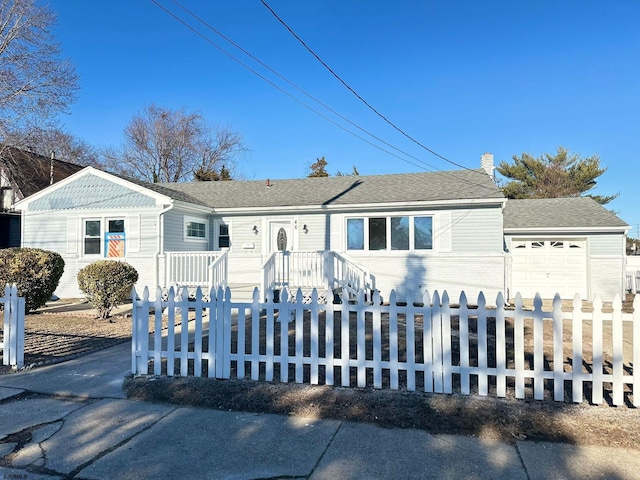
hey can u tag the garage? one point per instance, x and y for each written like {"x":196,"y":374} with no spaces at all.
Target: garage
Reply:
{"x":549,"y":266}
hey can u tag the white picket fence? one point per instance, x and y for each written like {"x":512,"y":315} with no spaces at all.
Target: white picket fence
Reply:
{"x":13,"y":308}
{"x":429,"y":344}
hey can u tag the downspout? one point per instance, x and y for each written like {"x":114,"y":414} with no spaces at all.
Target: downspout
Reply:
{"x":160,"y":244}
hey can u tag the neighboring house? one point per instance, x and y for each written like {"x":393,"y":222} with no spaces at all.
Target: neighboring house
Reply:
{"x":408,"y":232}
{"x":22,"y":174}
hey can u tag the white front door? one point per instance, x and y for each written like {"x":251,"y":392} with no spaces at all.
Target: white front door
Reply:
{"x":281,"y":230}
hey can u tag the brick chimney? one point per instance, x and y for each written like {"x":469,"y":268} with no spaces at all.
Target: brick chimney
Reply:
{"x":486,"y":163}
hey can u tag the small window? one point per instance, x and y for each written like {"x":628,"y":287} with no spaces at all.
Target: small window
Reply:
{"x":537,"y":244}
{"x":195,"y":228}
{"x":116,"y":226}
{"x":399,"y":233}
{"x":423,"y":233}
{"x":521,"y":245}
{"x":557,"y":244}
{"x":355,"y":233}
{"x":573,"y":245}
{"x":92,"y":233}
{"x":223,"y":236}
{"x":377,"y":234}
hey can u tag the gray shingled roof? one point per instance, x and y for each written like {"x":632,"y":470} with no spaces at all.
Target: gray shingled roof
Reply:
{"x":343,"y":190}
{"x":168,"y":191}
{"x":574,"y":212}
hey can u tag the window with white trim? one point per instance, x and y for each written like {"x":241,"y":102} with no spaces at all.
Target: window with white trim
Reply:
{"x":104,"y":237}
{"x":195,"y":228}
{"x":92,"y":237}
{"x":224,"y":240}
{"x":405,"y":232}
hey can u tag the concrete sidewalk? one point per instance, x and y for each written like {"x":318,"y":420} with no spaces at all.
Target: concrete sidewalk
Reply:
{"x":71,"y":420}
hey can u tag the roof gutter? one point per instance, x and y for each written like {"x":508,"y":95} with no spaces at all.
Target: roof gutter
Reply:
{"x":574,"y":230}
{"x":362,"y":207}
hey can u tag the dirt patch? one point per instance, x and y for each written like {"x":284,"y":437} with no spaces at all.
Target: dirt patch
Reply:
{"x":55,"y":337}
{"x":499,"y":419}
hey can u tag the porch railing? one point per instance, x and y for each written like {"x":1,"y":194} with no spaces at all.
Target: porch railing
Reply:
{"x":308,"y":270}
{"x":219,"y":271}
{"x":194,"y":269}
{"x":633,"y":281}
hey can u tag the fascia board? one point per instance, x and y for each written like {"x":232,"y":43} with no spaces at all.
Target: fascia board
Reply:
{"x":191,"y":207}
{"x":361,"y":207}
{"x":159,"y":198}
{"x":570,"y":230}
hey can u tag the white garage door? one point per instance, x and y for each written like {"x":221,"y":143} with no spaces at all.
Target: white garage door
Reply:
{"x":549,"y":267}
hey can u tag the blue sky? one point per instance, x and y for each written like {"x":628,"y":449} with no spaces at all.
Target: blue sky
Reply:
{"x":461,"y":77}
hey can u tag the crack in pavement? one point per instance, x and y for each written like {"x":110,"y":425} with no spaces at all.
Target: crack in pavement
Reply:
{"x":29,"y":452}
{"x":107,"y":451}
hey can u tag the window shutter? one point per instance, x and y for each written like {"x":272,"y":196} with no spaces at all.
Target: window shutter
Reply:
{"x":133,"y":234}
{"x":72,"y":235}
{"x":442,"y":240}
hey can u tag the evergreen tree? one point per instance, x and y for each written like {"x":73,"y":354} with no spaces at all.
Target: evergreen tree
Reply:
{"x":552,"y":176}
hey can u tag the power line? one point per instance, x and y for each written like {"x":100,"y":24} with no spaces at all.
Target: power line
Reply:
{"x":204,"y":37}
{"x":210,"y":27}
{"x":356,"y":93}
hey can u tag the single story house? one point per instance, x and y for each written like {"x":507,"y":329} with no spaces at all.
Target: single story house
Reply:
{"x":448,"y":230}
{"x":23,"y":173}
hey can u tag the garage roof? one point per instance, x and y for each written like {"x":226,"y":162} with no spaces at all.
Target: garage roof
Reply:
{"x":556,"y":213}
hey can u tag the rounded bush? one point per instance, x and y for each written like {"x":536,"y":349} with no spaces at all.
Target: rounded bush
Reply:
{"x":35,"y":272}
{"x":107,"y":284}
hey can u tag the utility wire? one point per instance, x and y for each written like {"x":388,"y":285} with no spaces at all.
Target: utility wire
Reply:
{"x":210,"y":27}
{"x":356,"y":93}
{"x":204,"y":37}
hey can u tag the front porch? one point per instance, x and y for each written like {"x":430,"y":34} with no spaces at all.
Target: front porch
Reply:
{"x":320,"y":270}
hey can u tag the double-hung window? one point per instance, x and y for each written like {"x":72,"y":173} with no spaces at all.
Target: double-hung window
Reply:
{"x":104,"y":237}
{"x":224,"y":240}
{"x":92,"y":237}
{"x":406,"y":232}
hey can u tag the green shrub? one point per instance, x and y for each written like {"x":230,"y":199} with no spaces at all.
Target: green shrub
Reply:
{"x":36,"y":273}
{"x":107,"y":284}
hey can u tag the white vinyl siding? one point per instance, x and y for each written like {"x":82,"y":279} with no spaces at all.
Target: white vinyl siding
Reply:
{"x":476,"y":230}
{"x":133,"y":233}
{"x":72,"y":235}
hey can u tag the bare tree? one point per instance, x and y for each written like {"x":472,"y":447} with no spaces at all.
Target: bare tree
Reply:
{"x":164,"y":145}
{"x":52,"y":139}
{"x":34,"y":79}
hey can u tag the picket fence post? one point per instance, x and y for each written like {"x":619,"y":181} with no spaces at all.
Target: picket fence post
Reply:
{"x":13,"y":337}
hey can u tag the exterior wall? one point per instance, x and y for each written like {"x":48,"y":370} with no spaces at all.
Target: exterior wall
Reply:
{"x":246,"y":247}
{"x":174,"y":233}
{"x":477,"y":230}
{"x":468,"y":250}
{"x":411,"y":274}
{"x":607,"y":254}
{"x":62,"y":231}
